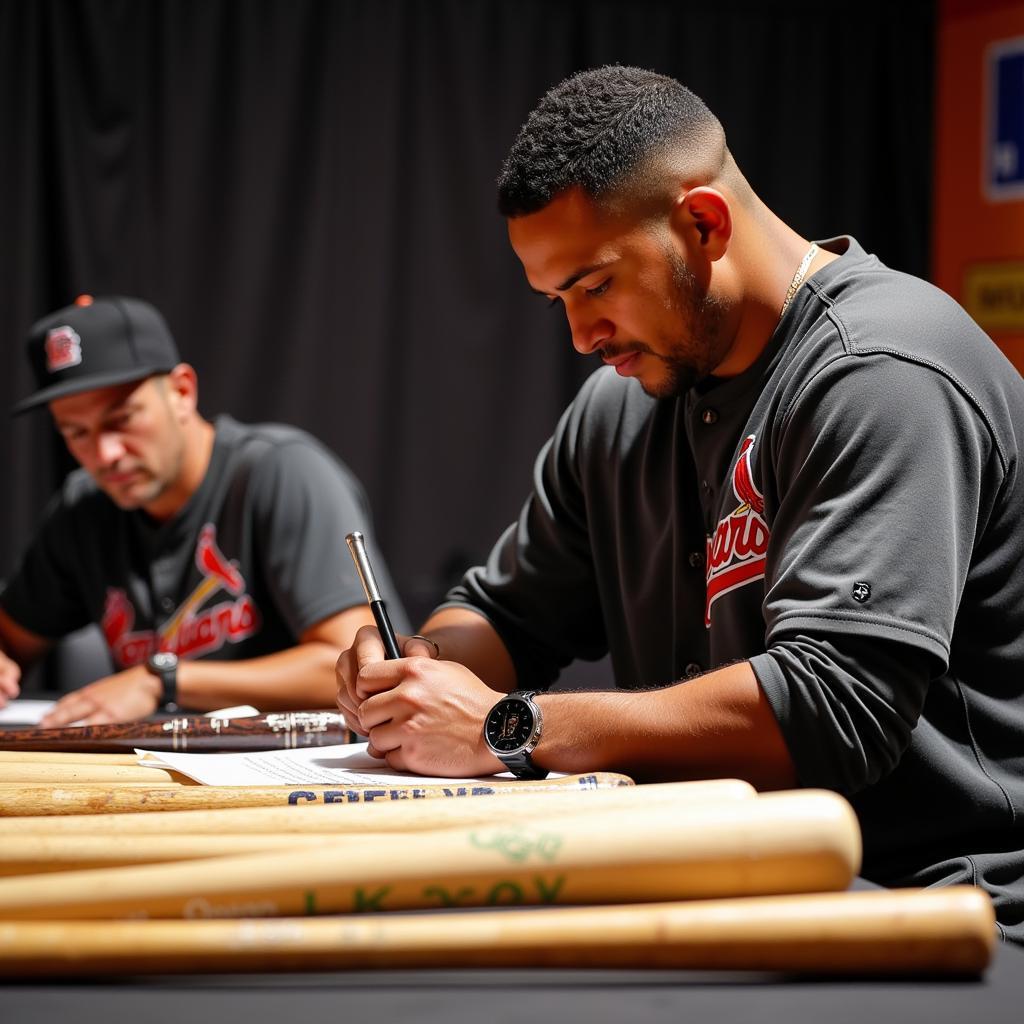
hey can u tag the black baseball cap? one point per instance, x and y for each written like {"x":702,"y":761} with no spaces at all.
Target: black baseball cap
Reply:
{"x":94,"y":343}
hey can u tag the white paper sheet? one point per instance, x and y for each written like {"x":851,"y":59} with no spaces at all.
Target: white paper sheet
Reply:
{"x":29,"y":712}
{"x":344,"y":764}
{"x":238,"y":711}
{"x":25,"y":712}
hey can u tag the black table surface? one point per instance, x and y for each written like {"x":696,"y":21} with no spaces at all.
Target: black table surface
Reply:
{"x":522,"y":996}
{"x":517,"y":996}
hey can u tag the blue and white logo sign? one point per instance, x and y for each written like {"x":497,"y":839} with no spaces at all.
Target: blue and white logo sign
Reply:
{"x":1004,"y":157}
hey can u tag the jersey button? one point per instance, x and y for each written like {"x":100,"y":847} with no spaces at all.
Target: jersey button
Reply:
{"x":693,"y":669}
{"x":167,"y":603}
{"x":709,"y":416}
{"x":696,"y":559}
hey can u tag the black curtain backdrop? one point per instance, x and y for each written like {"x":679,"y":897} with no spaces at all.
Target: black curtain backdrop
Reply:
{"x":305,"y":189}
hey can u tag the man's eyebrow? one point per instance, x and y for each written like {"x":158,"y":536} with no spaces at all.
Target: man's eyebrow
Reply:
{"x":116,"y":408}
{"x":574,"y":277}
{"x":582,"y":272}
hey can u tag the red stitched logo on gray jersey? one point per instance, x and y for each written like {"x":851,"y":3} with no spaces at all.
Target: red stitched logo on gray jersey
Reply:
{"x":736,"y":551}
{"x":188,"y":632}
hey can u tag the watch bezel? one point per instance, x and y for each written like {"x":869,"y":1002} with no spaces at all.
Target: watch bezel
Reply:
{"x":163,"y":661}
{"x":518,"y":760}
{"x":523,"y":698}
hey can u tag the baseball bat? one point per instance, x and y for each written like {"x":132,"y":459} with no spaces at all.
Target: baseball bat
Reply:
{"x":910,"y":932}
{"x":100,"y":774}
{"x":41,"y":854}
{"x":196,"y":733}
{"x":19,"y":799}
{"x":801,"y":841}
{"x":61,"y":757}
{"x":14,"y":788}
{"x":389,"y":816}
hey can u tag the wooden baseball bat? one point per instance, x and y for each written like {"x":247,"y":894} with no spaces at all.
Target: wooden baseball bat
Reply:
{"x":19,"y":799}
{"x":14,"y":788}
{"x":100,"y":774}
{"x":196,"y":733}
{"x":62,"y":757}
{"x":376,"y":816}
{"x":910,"y":932}
{"x":41,"y":854}
{"x":801,"y":841}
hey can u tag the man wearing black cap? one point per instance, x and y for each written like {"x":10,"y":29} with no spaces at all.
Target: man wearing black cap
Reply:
{"x":211,"y":555}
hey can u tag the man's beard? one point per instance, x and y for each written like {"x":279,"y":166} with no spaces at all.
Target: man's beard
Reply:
{"x":143,"y":493}
{"x":703,"y":319}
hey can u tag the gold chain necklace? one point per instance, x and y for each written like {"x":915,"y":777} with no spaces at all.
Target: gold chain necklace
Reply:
{"x":798,"y":277}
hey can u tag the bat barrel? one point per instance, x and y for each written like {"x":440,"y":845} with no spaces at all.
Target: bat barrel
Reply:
{"x":942,"y":931}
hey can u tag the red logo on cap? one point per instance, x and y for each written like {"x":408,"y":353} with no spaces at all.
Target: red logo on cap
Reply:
{"x":63,"y":349}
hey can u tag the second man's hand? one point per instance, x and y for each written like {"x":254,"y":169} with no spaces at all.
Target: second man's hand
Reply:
{"x":124,"y":697}
{"x":10,"y":679}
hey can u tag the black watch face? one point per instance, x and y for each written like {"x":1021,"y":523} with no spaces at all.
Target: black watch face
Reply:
{"x":509,"y":725}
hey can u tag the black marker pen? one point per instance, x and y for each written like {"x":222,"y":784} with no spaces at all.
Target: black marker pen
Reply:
{"x":357,"y":549}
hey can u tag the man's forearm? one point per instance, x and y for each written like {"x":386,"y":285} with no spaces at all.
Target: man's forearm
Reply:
{"x":300,"y":677}
{"x":717,"y":726}
{"x":467,"y":637}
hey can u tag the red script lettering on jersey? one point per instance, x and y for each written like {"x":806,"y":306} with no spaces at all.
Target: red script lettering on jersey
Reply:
{"x":736,"y":550}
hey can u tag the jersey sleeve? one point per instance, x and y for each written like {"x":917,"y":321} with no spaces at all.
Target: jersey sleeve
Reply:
{"x":885,"y":471}
{"x":305,"y":502}
{"x":43,"y":594}
{"x":537,"y":587}
{"x":847,"y":704}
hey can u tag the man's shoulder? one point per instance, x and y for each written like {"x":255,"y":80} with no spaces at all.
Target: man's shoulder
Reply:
{"x":271,"y":445}
{"x":267,"y":455}
{"x":879,"y":310}
{"x":262,"y":438}
{"x":80,"y":508}
{"x":882,"y":320}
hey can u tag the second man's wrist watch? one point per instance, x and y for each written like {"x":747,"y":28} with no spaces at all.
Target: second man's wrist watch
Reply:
{"x":512,"y":731}
{"x":164,"y":665}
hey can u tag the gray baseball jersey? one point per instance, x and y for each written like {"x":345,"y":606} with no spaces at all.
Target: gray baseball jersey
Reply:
{"x":255,"y":558}
{"x":846,"y":515}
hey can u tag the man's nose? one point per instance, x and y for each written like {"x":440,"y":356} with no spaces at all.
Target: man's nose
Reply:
{"x":588,"y":333}
{"x":109,"y":448}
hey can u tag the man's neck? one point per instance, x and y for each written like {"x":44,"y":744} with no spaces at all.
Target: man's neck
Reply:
{"x":766,"y":269}
{"x":198,"y":450}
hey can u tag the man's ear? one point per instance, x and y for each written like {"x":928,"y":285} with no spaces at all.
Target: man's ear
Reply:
{"x":702,"y":216}
{"x":183,"y":389}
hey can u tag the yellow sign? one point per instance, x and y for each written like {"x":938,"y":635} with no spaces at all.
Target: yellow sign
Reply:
{"x":994,"y":295}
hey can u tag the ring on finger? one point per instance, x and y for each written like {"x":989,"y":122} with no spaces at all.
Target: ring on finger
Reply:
{"x":427,"y":640}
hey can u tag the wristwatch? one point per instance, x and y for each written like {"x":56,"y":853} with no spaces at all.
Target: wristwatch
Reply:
{"x":512,"y":731}
{"x":164,"y":665}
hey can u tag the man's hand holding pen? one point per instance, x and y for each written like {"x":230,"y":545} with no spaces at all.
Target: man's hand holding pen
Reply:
{"x":420,"y":714}
{"x":367,"y":648}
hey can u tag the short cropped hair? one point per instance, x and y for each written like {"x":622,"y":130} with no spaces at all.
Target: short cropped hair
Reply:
{"x":598,"y":127}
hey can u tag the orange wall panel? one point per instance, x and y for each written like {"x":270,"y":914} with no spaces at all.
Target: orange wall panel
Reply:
{"x":978,"y":234}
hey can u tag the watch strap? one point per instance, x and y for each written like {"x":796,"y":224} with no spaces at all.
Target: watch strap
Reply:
{"x":164,"y":665}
